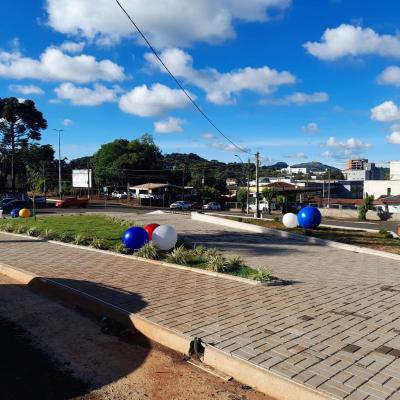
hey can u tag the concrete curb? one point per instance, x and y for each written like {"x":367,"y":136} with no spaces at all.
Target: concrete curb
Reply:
{"x":265,"y":381}
{"x":307,"y":239}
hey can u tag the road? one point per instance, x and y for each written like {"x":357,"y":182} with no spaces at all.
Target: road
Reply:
{"x":119,"y":208}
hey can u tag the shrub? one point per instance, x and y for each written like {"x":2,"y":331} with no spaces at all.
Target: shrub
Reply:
{"x":364,"y":207}
{"x":81,"y":240}
{"x":180,"y":255}
{"x":98,"y":243}
{"x":216,"y":263}
{"x":386,"y":234}
{"x":234,"y":263}
{"x":199,"y":251}
{"x":48,"y":234}
{"x":149,"y":251}
{"x":33,"y":231}
{"x":8,"y":227}
{"x":20,"y":229}
{"x":120,"y":248}
{"x":66,"y":237}
{"x":261,"y":274}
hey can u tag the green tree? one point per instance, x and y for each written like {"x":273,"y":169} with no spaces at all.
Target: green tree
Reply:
{"x":364,"y":207}
{"x":241,"y":197}
{"x":269,"y":194}
{"x":35,"y":183}
{"x":20,"y":124}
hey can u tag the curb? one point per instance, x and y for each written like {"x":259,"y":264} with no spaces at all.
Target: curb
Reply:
{"x":263,"y":380}
{"x":275,"y":232}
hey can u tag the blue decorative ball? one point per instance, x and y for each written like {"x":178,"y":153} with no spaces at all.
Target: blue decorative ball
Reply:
{"x":14,"y":213}
{"x":135,"y":237}
{"x":309,"y":217}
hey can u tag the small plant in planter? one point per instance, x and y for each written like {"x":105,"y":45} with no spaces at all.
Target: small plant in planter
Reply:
{"x":33,"y":231}
{"x":98,"y":243}
{"x":180,"y":255}
{"x":20,"y":229}
{"x":262,"y":275}
{"x":8,"y":227}
{"x":216,"y":263}
{"x":120,"y":248}
{"x":48,"y":234}
{"x":81,"y":240}
{"x":66,"y":237}
{"x":235,"y":263}
{"x":149,"y":251}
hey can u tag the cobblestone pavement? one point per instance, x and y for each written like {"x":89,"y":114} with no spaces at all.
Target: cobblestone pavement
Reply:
{"x":338,"y":332}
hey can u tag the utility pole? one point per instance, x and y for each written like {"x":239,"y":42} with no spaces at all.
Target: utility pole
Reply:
{"x":248,"y":185}
{"x":329,"y":187}
{"x":59,"y":161}
{"x":257,"y":185}
{"x":88,"y":181}
{"x":183,"y":182}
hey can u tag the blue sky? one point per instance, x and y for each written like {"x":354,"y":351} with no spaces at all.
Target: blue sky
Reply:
{"x":296,"y":80}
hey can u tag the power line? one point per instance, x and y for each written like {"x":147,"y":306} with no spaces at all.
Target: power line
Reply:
{"x":178,"y":83}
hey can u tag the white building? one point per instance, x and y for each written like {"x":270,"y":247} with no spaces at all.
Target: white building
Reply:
{"x":394,"y":170}
{"x":382,"y":188}
{"x":295,"y":170}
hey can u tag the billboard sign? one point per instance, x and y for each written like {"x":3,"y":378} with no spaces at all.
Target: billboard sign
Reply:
{"x":81,"y":178}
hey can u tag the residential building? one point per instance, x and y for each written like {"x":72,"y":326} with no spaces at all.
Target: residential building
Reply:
{"x":382,"y":188}
{"x":367,"y":173}
{"x":356,"y":163}
{"x":395,"y":170}
{"x":295,"y":170}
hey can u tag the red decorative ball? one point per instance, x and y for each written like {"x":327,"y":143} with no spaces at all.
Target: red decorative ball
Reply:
{"x":150,"y":228}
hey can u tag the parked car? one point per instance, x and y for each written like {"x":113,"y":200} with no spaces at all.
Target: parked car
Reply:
{"x":181,"y":205}
{"x":40,"y":201}
{"x":71,"y":202}
{"x":197,"y":206}
{"x":213,"y":206}
{"x":6,"y":200}
{"x":16,"y":204}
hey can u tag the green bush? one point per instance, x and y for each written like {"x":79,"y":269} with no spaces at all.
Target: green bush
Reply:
{"x":33,"y":231}
{"x":364,"y":207}
{"x":8,"y":227}
{"x":180,"y":255}
{"x":98,"y":243}
{"x":261,"y":274}
{"x":216,"y":263}
{"x":120,"y":248}
{"x":235,"y":263}
{"x":65,"y":237}
{"x":47,"y":234}
{"x":81,"y":240}
{"x":149,"y":251}
{"x":20,"y":228}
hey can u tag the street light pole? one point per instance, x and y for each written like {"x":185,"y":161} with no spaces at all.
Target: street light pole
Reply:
{"x":59,"y":161}
{"x":257,"y":185}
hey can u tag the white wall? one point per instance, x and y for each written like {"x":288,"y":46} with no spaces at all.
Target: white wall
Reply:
{"x":380,"y":188}
{"x":395,"y":170}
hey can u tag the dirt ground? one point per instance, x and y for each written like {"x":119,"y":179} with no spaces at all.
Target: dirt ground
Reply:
{"x":49,"y":351}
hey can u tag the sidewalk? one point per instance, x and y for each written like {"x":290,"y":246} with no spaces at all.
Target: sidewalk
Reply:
{"x":340,"y":339}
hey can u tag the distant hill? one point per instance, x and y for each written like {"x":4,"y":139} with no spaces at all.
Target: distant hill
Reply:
{"x":315,"y":166}
{"x":277,"y":166}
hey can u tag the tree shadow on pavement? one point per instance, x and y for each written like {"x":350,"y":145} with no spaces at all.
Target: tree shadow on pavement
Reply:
{"x":88,"y":352}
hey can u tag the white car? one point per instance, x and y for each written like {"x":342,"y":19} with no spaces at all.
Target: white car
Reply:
{"x":181,"y":205}
{"x":213,"y":206}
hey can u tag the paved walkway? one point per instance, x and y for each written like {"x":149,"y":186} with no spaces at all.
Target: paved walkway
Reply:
{"x":339,"y":332}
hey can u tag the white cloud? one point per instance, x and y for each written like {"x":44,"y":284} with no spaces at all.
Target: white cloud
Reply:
{"x":387,"y":111}
{"x":299,"y":155}
{"x":169,"y":125}
{"x":390,"y":76}
{"x":67,"y":122}
{"x":26,"y":89}
{"x":166,"y":23}
{"x":227,"y":146}
{"x":299,"y":99}
{"x":312,"y":128}
{"x":221,"y":88}
{"x":349,"y":144}
{"x":394,"y":137}
{"x":207,"y":135}
{"x":157,"y":100}
{"x":54,"y":65}
{"x":72,"y":47}
{"x":84,"y":96}
{"x":349,"y":40}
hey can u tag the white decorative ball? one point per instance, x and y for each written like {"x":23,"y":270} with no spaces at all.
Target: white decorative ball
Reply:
{"x":165,"y":237}
{"x":290,"y":220}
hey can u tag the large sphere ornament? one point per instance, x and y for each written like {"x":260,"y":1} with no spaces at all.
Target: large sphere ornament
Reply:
{"x":309,"y":217}
{"x":150,"y":229}
{"x":134,"y":238}
{"x":14,"y":213}
{"x":290,"y":220}
{"x":24,"y":213}
{"x":165,"y":237}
